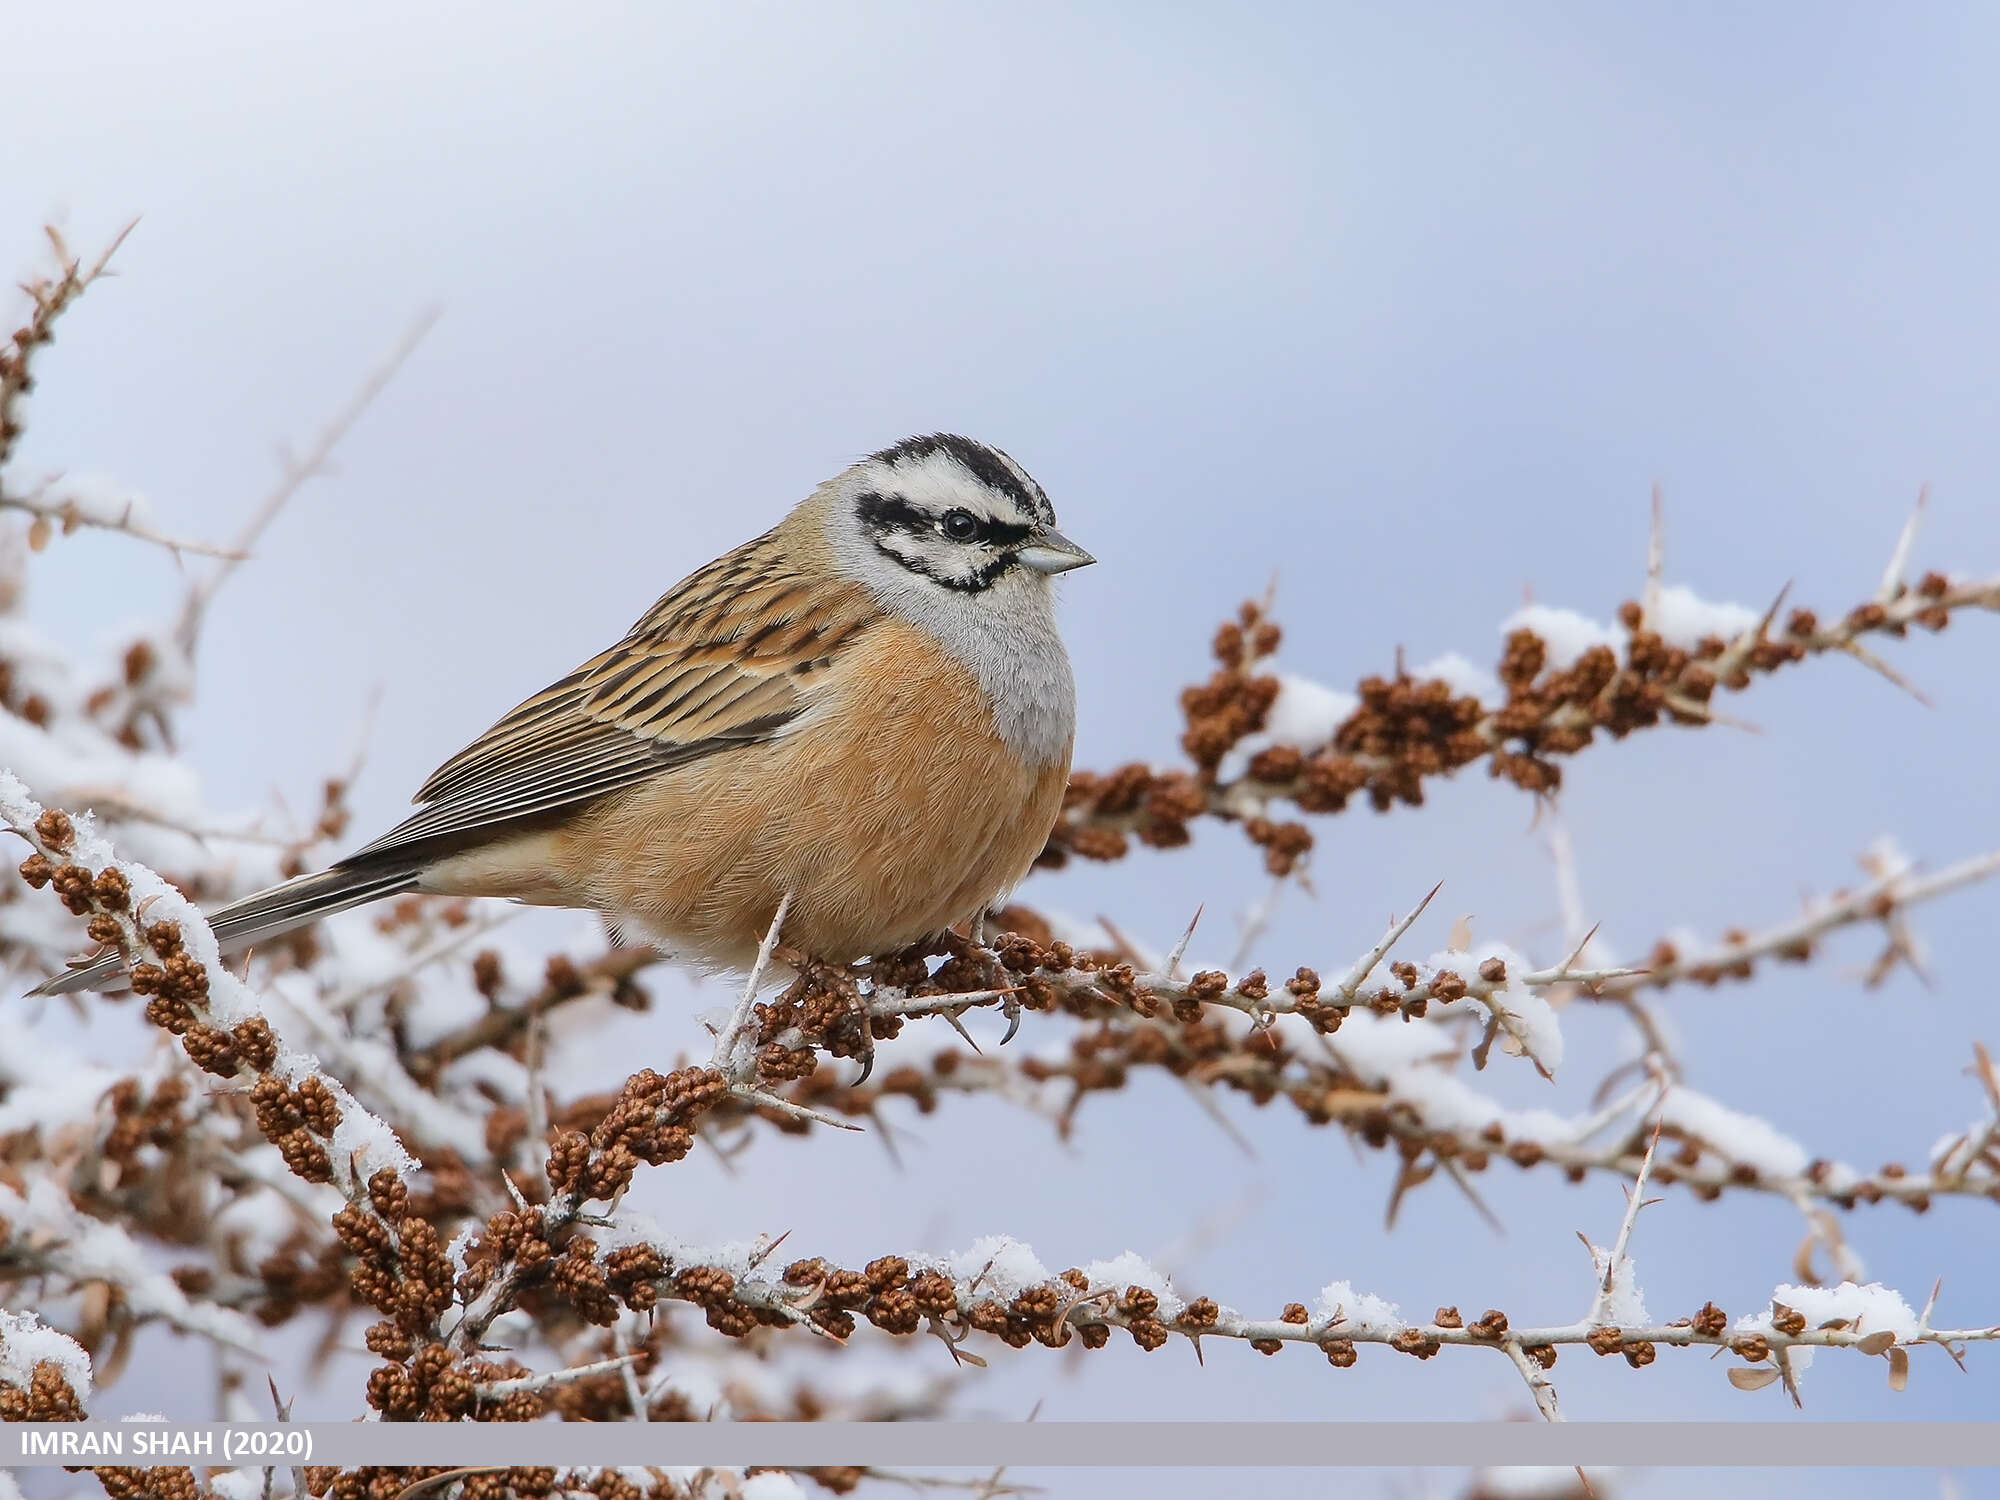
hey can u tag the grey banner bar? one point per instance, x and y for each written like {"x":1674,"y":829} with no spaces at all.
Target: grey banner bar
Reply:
{"x":1799,"y":1443}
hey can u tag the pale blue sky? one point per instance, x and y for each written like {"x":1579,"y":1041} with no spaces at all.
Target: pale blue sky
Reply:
{"x":1410,"y":304}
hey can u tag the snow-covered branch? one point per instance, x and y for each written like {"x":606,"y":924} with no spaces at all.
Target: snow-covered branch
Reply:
{"x":1259,"y":738}
{"x":264,"y":1143}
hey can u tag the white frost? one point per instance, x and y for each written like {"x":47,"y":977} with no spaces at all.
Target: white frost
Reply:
{"x":362,"y":1144}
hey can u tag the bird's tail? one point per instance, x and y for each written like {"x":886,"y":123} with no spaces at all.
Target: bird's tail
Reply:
{"x":268,"y":913}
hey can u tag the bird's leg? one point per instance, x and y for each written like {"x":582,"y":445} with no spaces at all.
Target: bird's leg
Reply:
{"x":843,"y":1024}
{"x":866,"y":1055}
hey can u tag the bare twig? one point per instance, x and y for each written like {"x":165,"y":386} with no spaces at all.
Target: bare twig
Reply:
{"x":296,"y":471}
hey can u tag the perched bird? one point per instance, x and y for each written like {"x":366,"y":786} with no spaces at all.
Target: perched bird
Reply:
{"x":866,"y":711}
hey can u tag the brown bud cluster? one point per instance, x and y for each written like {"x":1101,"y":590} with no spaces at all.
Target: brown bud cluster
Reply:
{"x":325,"y":1482}
{"x":1101,"y":811}
{"x":139,"y":1118}
{"x":400,"y":1268}
{"x":160,"y":1482}
{"x":1406,"y":730}
{"x":652,"y":1121}
{"x":824,"y":1005}
{"x":1416,"y":1342}
{"x":48,"y":1397}
{"x":1607,"y":1340}
{"x":578,"y":1278}
{"x":434,"y":1385}
{"x":298,"y":1121}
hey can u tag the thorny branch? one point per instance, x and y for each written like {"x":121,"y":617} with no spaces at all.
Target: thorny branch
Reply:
{"x":1405,"y":730}
{"x":513,"y":1227}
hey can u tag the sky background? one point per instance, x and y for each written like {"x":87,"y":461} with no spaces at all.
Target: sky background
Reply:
{"x":1408,"y":305}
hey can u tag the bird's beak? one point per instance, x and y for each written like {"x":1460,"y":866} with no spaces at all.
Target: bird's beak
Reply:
{"x":1049,"y":551}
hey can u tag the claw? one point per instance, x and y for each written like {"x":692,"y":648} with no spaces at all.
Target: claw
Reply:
{"x":867,"y":1060}
{"x":1012,"y":1010}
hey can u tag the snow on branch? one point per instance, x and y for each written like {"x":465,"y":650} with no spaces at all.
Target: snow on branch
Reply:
{"x":170,"y":956}
{"x":999,"y":1289}
{"x":259,"y":1164}
{"x":1387,"y":1086}
{"x":1259,"y":738}
{"x":44,"y":1374}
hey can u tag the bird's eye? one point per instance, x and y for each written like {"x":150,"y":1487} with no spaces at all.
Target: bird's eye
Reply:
{"x":960,"y":525}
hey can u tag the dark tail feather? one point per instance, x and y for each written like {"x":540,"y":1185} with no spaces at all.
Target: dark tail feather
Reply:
{"x":268,"y":913}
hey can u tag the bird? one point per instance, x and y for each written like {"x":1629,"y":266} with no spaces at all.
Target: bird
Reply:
{"x":864,"y":717}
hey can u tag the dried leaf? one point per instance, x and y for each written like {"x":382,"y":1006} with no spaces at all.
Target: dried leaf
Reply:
{"x":1752,"y":1377}
{"x":1899,"y":1368}
{"x":39,"y":532}
{"x":1880,"y":1342}
{"x":96,"y":1313}
{"x":1802,"y":1260}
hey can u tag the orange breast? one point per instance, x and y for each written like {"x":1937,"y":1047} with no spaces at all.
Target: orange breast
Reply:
{"x":892,"y":812}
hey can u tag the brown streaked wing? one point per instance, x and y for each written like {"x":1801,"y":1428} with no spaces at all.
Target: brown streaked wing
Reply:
{"x":723,"y":659}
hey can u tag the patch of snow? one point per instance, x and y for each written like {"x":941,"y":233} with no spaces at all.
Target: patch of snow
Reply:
{"x":1566,"y":633}
{"x":1004,"y":1266}
{"x":25,"y":1341}
{"x":1467,"y":679}
{"x":1132,"y":1269}
{"x":1870,"y":1307}
{"x":1624,"y":1305}
{"x":1683,"y":618}
{"x":1304,"y":716}
{"x":1350,"y":1311}
{"x":237,"y":1484}
{"x":1306,"y":713}
{"x":1738,"y":1137}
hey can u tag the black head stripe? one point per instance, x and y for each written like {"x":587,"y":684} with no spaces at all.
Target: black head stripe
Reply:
{"x":978,"y":581}
{"x":885,"y":513}
{"x":888,"y":519}
{"x":989,"y":466}
{"x":880,"y":513}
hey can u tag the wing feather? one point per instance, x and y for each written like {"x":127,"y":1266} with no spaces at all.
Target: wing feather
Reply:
{"x":728,"y":657}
